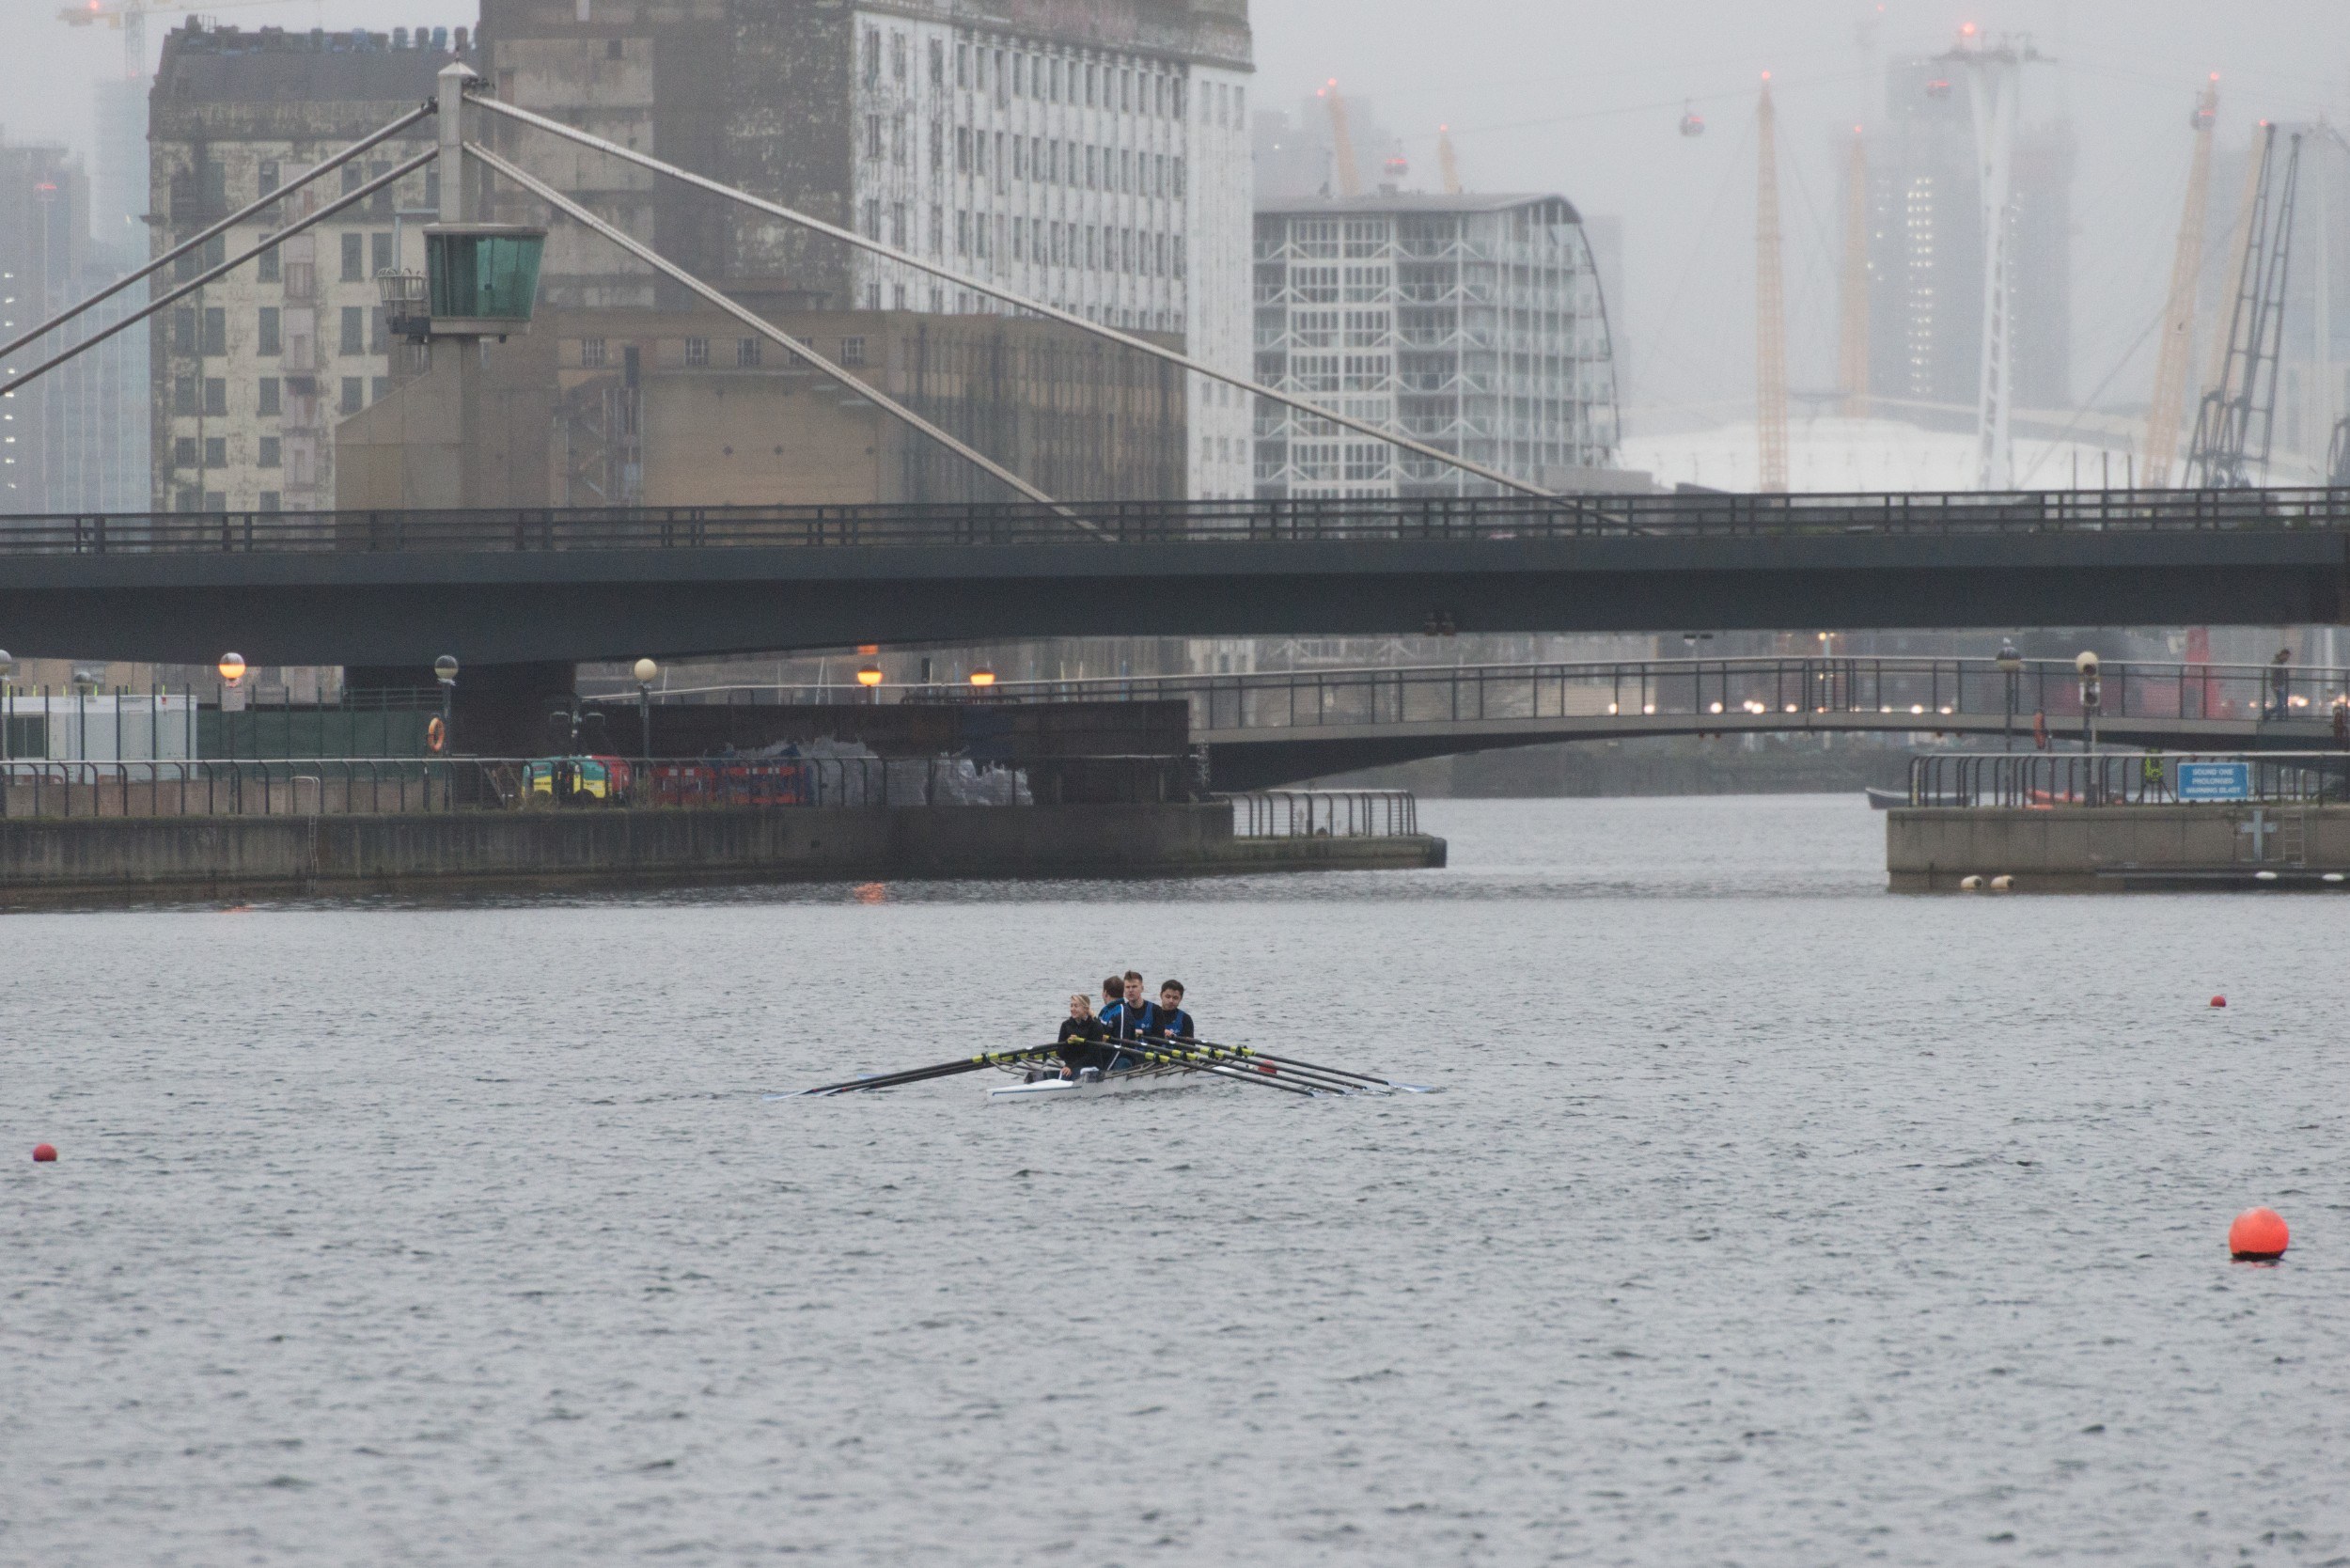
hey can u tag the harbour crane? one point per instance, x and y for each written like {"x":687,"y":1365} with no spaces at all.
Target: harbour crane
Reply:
{"x":1770,"y":305}
{"x":2223,"y":456}
{"x":1447,"y":161}
{"x":2178,"y":316}
{"x":1853,"y":339}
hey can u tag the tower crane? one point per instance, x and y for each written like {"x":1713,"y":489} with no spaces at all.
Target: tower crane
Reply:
{"x":129,"y":17}
{"x":1349,"y":182}
{"x":2223,"y":457}
{"x":1770,"y":305}
{"x":2178,"y":315}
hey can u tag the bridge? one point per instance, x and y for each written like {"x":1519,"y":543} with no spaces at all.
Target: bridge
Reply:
{"x":541,"y":586}
{"x":1280,"y":727}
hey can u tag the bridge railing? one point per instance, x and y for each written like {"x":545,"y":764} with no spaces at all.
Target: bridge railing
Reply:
{"x":1325,"y":814}
{"x":375,"y":786}
{"x":1263,"y":520}
{"x":1740,"y":690}
{"x":2032,"y":779}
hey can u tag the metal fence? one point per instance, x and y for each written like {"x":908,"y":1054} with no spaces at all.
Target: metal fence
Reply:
{"x":2028,"y":779}
{"x":415,"y":785}
{"x":1690,"y":514}
{"x":1325,"y":814}
{"x":1702,"y":688}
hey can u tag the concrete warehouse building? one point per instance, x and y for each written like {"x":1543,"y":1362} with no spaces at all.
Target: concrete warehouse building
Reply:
{"x":680,"y":408}
{"x":1095,"y":157}
{"x":1474,"y":323}
{"x":250,"y":374}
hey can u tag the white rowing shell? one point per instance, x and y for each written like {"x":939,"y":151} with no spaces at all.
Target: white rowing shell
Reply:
{"x":1143,"y":1081}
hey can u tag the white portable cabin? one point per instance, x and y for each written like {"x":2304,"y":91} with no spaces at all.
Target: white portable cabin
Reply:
{"x":88,"y":727}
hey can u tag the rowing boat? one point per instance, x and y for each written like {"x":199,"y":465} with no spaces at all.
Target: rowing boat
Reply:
{"x":1137,"y":1080}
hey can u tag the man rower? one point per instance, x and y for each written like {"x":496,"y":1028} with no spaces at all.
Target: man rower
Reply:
{"x":1168,"y":1020}
{"x":1128,"y":1018}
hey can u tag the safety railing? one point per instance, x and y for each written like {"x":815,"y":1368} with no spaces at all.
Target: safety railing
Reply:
{"x":1325,"y":814}
{"x":2028,"y":779}
{"x":1263,"y":520}
{"x":413,"y":785}
{"x":1737,"y":690}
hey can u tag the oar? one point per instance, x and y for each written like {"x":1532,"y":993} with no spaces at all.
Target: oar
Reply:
{"x":1247,"y":1051}
{"x":1259,"y":1068}
{"x":921,"y":1075}
{"x":1197,"y":1061}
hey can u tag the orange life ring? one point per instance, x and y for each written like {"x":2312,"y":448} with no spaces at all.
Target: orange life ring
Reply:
{"x":436,"y":734}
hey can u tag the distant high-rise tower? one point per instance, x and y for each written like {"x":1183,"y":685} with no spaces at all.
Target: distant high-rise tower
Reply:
{"x":1926,"y":251}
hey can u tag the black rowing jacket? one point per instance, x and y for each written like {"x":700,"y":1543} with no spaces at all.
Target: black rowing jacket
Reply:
{"x":1087,"y":1029}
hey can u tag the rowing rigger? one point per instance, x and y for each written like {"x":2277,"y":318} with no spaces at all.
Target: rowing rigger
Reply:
{"x":1158,"y":1062}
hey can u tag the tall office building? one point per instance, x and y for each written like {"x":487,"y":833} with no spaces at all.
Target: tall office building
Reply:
{"x":1474,"y":323}
{"x":1925,"y":250}
{"x":1093,"y":157}
{"x":250,"y":374}
{"x":74,"y":440}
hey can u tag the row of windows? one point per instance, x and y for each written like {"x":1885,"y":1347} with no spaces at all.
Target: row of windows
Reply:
{"x":1011,"y":71}
{"x":594,"y":352}
{"x":203,"y":191}
{"x":1096,"y":248}
{"x":208,"y":396}
{"x":204,"y":334}
{"x":190,"y":499}
{"x":1052,"y":162}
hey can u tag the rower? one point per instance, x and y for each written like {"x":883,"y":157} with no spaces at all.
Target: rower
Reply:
{"x":1130,"y":1017}
{"x":1113,"y":1003}
{"x":1081,"y":1035}
{"x":1168,"y":1020}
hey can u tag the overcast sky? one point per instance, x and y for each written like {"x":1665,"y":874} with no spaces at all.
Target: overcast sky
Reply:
{"x":1585,"y":98}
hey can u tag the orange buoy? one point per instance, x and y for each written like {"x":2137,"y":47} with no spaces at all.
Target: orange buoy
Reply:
{"x":44,"y":1153}
{"x":2220,"y":1001}
{"x":2259,"y":1236}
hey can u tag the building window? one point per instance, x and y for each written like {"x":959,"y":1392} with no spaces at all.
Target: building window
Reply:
{"x":354,"y":394}
{"x":266,"y":402}
{"x":216,"y":396}
{"x":378,"y":387}
{"x":898,"y":223}
{"x":746,"y":352}
{"x":269,"y":176}
{"x":592,"y":353}
{"x":897,"y":58}
{"x":267,"y":266}
{"x":215,"y":330}
{"x":183,"y":330}
{"x":265,"y":337}
{"x":938,"y":63}
{"x":379,"y":332}
{"x":183,"y":395}
{"x":183,"y":452}
{"x":962,"y":64}
{"x":270,"y":453}
{"x":354,"y":330}
{"x":962,"y":233}
{"x":350,"y":178}
{"x":872,"y":56}
{"x":216,"y":500}
{"x":380,"y":247}
{"x":872,"y":218}
{"x":853,"y":351}
{"x":698,"y":351}
{"x":873,"y":137}
{"x":612,"y":50}
{"x":215,"y":452}
{"x":271,"y":501}
{"x":355,"y":253}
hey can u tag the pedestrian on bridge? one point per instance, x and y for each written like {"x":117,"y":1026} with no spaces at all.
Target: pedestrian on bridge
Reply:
{"x":2279,"y":682}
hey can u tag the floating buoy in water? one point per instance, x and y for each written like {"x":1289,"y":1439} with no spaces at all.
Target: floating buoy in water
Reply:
{"x":2220,"y":1001}
{"x":44,"y":1153}
{"x":2003,"y":885}
{"x":1970,"y":884}
{"x":2259,"y":1235}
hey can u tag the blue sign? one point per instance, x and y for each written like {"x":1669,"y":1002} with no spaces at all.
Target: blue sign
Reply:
{"x":2215,"y":780}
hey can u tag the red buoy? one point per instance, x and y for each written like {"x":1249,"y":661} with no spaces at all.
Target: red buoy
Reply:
{"x":2259,"y":1236}
{"x":44,"y":1153}
{"x":2220,"y":1001}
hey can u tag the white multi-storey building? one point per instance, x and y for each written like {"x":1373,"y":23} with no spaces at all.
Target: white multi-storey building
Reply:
{"x":1094,"y":158}
{"x":1474,"y":323}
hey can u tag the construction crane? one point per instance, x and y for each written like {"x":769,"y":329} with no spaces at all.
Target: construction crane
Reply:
{"x":1447,"y":161}
{"x":2223,"y":456}
{"x":2178,"y":316}
{"x":129,"y":17}
{"x":1348,"y":180}
{"x":1770,"y":306}
{"x":1852,"y":342}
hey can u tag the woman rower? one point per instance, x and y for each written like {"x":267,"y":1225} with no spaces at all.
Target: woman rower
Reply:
{"x":1081,"y":1036}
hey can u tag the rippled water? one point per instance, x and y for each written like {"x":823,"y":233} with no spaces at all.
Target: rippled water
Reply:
{"x":1765,"y":1218}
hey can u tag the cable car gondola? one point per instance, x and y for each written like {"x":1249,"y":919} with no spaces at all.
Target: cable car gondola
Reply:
{"x":1692,"y":123}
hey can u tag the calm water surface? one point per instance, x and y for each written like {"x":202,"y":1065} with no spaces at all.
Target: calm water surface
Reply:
{"x":1765,"y":1218}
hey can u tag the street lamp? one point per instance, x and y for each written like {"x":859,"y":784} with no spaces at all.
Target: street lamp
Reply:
{"x":645,"y":670}
{"x":2011,"y":664}
{"x":232,"y":668}
{"x":870,"y":679}
{"x":2092,"y":695}
{"x":982,"y":676}
{"x":7,"y":701}
{"x":444,"y":671}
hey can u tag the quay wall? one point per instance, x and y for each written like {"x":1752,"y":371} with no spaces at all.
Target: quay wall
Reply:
{"x":2118,"y":848}
{"x":50,"y":860}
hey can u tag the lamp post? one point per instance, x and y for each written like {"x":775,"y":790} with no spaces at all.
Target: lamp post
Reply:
{"x":982,"y":677}
{"x":2010,"y":664}
{"x":645,"y":671}
{"x":2093,"y":696}
{"x":444,"y":671}
{"x":870,"y":679}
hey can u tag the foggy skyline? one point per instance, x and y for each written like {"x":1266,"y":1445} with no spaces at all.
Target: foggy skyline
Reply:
{"x":1586,"y":102}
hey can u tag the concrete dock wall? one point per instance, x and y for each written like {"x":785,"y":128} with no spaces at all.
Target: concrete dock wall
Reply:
{"x":49,"y":860}
{"x":2117,"y":847}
